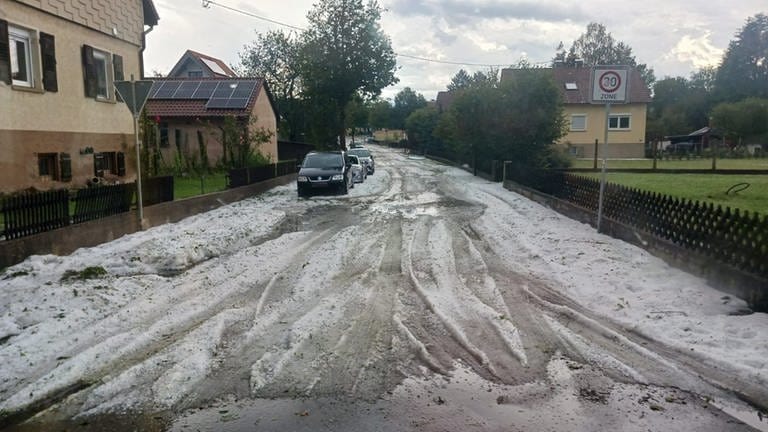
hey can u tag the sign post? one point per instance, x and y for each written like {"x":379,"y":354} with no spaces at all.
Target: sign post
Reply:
{"x":135,"y":93}
{"x":609,"y":85}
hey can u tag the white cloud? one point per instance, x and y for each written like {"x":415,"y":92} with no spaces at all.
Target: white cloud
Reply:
{"x":674,"y":37}
{"x":697,"y":51}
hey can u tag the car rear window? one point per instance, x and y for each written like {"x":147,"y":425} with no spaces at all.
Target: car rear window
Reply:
{"x":360,"y":152}
{"x":322,"y":161}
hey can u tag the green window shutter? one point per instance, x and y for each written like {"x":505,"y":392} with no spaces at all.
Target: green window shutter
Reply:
{"x":65,"y":167}
{"x":89,"y":72}
{"x":117,"y":67}
{"x":121,"y":164}
{"x":5,"y":53}
{"x":98,"y":165}
{"x":48,"y":54}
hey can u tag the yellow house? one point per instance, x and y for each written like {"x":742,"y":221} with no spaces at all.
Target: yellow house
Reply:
{"x":586,"y":122}
{"x":61,"y":121}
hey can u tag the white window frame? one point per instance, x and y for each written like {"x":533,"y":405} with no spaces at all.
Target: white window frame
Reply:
{"x":574,"y":129}
{"x":106,"y":58}
{"x":27,"y":37}
{"x":618,"y":118}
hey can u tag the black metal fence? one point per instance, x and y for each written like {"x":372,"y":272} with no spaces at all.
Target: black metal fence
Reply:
{"x":103,"y":201}
{"x":36,"y":212}
{"x":33,"y":213}
{"x":245,"y":176}
{"x":155,"y":190}
{"x":734,"y":237}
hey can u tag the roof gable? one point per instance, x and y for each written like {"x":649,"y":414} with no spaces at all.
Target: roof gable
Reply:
{"x":213,"y":66}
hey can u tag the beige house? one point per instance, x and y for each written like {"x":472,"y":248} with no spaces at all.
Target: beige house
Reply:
{"x":190,"y":115}
{"x":61,"y":123}
{"x":586,"y":121}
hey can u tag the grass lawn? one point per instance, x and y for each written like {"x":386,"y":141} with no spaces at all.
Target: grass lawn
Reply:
{"x":701,"y":187}
{"x":676,"y":163}
{"x":185,"y":187}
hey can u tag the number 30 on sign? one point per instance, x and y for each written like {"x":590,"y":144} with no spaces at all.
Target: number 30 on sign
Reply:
{"x":609,"y":84}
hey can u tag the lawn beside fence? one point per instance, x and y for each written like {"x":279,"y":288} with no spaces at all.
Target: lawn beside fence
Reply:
{"x":185,"y":187}
{"x":700,"y":187}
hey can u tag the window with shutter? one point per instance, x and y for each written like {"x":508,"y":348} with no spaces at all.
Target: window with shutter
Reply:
{"x":48,"y":55}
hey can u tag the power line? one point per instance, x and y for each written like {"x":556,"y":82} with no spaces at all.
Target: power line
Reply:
{"x":207,"y":3}
{"x":449,"y":62}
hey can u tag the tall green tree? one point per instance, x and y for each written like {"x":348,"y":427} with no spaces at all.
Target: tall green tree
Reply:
{"x":598,"y":47}
{"x":345,"y":52}
{"x":463,"y":80}
{"x":274,"y":56}
{"x":357,"y":114}
{"x":520,"y":120}
{"x":743,"y":120}
{"x":744,"y":70}
{"x":380,"y":115}
{"x":406,"y":102}
{"x":420,"y":127}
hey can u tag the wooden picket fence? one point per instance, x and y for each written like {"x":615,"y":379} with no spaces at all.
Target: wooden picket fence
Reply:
{"x":731,"y":236}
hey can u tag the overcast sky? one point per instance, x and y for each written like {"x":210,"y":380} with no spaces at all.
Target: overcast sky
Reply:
{"x":674,"y":37}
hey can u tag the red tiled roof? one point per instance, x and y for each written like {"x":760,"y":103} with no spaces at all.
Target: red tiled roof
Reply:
{"x":222,"y":65}
{"x":167,"y":107}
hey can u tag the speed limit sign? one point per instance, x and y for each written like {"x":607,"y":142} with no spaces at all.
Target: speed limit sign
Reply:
{"x":609,"y":84}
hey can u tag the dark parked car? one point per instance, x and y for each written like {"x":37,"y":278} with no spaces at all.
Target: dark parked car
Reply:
{"x":325,"y":171}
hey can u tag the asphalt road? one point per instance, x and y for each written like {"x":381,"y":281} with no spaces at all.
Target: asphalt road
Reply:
{"x":391,"y":309}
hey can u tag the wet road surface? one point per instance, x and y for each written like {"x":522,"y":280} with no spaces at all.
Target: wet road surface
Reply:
{"x":391,"y":309}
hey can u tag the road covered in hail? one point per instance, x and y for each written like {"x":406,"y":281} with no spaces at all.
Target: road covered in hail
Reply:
{"x":427,"y":299}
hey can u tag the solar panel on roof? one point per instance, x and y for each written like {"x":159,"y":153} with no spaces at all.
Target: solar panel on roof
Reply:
{"x":155,"y":87}
{"x":167,"y":90}
{"x":237,"y":103}
{"x":217,"y":103}
{"x":205,"y":90}
{"x":244,"y":89}
{"x":186,"y":90}
{"x":224,"y":89}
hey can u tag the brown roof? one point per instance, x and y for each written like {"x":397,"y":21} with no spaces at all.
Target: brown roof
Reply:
{"x":174,"y":106}
{"x":582,"y":78}
{"x":198,"y":58}
{"x":444,"y":100}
